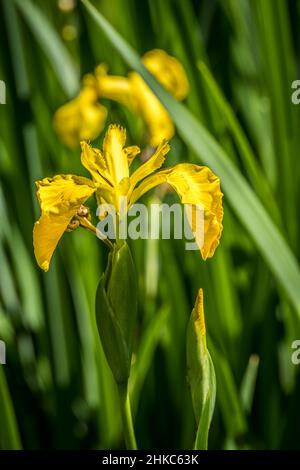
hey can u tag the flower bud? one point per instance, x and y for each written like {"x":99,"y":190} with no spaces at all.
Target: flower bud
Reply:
{"x":116,"y":309}
{"x":201,"y":373}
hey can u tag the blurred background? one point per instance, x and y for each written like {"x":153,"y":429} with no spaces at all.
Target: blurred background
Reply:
{"x":56,"y":390}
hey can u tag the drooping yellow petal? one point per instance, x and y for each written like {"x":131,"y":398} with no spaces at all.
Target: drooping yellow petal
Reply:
{"x":60,"y":198}
{"x":195,"y":185}
{"x":168,"y":71}
{"x":114,"y":87}
{"x":81,"y":118}
{"x":56,"y":195}
{"x":151,"y":165}
{"x":198,"y":185}
{"x":114,"y":155}
{"x":159,"y":124}
{"x":47,"y":232}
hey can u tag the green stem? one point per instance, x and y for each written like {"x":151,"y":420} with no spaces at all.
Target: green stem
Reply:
{"x":201,"y":442}
{"x":9,"y":438}
{"x":125,"y":408}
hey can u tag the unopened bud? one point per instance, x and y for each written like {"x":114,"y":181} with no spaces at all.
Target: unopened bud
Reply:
{"x":201,"y":373}
{"x":116,"y":309}
{"x":83,"y":211}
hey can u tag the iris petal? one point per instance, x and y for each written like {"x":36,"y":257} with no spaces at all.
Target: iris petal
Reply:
{"x":196,"y":186}
{"x":60,"y":198}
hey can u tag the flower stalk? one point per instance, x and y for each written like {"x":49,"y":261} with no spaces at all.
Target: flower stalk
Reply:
{"x":127,"y":422}
{"x":116,"y":311}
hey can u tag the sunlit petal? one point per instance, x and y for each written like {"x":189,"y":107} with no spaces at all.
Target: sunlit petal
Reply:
{"x":195,"y":185}
{"x":93,"y":160}
{"x":60,"y":198}
{"x":114,"y":155}
{"x":151,"y":165}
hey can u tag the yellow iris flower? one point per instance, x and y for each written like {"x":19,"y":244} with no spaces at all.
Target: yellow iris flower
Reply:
{"x":62,"y":198}
{"x":83,"y":118}
{"x":137,"y":96}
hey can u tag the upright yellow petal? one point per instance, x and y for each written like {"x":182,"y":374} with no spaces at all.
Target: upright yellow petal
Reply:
{"x":195,"y":185}
{"x":60,"y":198}
{"x":114,"y":155}
{"x":93,"y":160}
{"x":97,"y":163}
{"x":151,"y":165}
{"x":168,"y":71}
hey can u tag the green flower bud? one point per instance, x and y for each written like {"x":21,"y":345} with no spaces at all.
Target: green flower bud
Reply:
{"x":201,"y":373}
{"x":116,"y":309}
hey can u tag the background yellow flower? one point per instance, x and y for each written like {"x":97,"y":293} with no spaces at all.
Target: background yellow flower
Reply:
{"x":83,"y":118}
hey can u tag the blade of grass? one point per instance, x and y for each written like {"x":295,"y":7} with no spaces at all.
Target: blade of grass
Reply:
{"x":98,"y":385}
{"x":227,"y":395}
{"x":249,"y":382}
{"x":53,"y":47}
{"x":15,"y":40}
{"x":148,"y":344}
{"x":254,"y":172}
{"x":278,"y":71}
{"x":9,"y":433}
